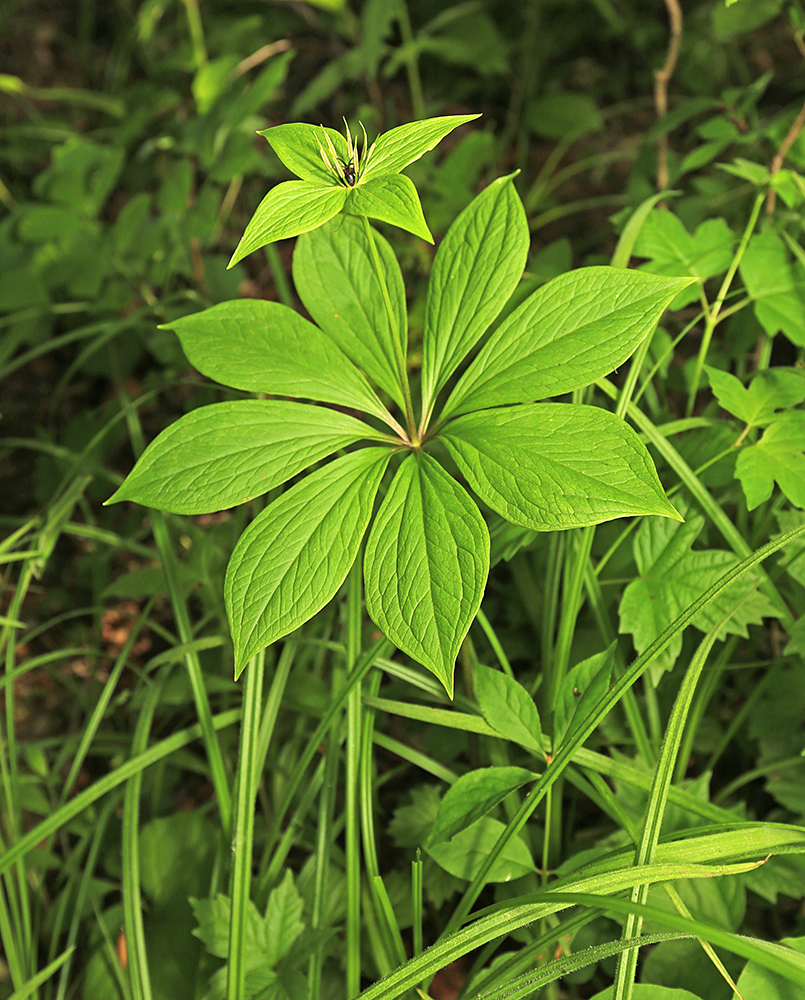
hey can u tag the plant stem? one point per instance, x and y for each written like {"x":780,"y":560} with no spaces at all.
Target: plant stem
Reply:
{"x":352,"y":815}
{"x":712,"y":318}
{"x":411,"y":63}
{"x":396,"y":334}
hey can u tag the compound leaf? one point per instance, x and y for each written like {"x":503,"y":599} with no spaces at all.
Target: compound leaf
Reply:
{"x":390,"y":198}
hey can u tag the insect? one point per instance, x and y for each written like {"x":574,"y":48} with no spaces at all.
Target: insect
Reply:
{"x":349,"y":172}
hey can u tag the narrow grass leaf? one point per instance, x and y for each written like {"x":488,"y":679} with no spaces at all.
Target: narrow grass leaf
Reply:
{"x":477,"y":267}
{"x":295,"y":555}
{"x":570,"y":332}
{"x":289,"y":209}
{"x":338,"y":285}
{"x":262,"y":346}
{"x":427,"y":560}
{"x":552,"y":466}
{"x":224,"y":454}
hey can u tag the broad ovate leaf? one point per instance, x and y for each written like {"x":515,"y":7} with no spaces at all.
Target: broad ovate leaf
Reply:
{"x":400,"y":146}
{"x":262,"y":346}
{"x":477,"y":267}
{"x":339,"y":287}
{"x":299,"y":146}
{"x":426,"y":564}
{"x":289,"y":209}
{"x":222,"y":455}
{"x":295,"y":555}
{"x":507,"y":707}
{"x":391,"y":198}
{"x":474,"y":795}
{"x":464,"y":855}
{"x":551,"y":466}
{"x":575,"y":329}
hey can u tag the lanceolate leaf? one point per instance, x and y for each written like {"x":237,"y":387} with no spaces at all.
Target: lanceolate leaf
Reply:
{"x":338,"y":285}
{"x":401,"y":146}
{"x":392,"y":199}
{"x":288,"y":209}
{"x":570,"y":332}
{"x":551,"y":466}
{"x":222,"y":455}
{"x":476,"y":269}
{"x":263,"y":346}
{"x":427,"y":560}
{"x":299,"y":146}
{"x":295,"y":555}
{"x":507,"y":707}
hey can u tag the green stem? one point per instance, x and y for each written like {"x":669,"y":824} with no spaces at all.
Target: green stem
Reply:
{"x":411,"y":62}
{"x":396,"y":333}
{"x":196,"y":32}
{"x":712,"y":317}
{"x":352,"y":815}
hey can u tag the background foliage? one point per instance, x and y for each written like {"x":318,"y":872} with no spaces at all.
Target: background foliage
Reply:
{"x":129,"y":167}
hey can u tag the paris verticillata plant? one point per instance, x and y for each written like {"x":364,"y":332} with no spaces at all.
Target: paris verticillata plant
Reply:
{"x":541,"y":465}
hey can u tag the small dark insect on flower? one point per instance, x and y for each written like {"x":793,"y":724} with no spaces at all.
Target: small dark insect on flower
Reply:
{"x":349,"y":172}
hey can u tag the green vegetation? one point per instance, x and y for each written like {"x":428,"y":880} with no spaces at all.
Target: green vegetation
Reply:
{"x":405,"y":562}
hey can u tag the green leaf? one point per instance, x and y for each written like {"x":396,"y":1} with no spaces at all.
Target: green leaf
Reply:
{"x":770,"y":390}
{"x":755,"y":981}
{"x":295,"y":555}
{"x":778,"y":456}
{"x":426,"y":564}
{"x":282,"y":924}
{"x":570,"y":332}
{"x":580,"y":690}
{"x":648,"y":991}
{"x":339,"y":287}
{"x":391,"y":198}
{"x":474,"y":795}
{"x":214,"y":916}
{"x":299,"y":147}
{"x":551,"y":466}
{"x":397,"y":148}
{"x":777,"y":285}
{"x":477,"y":267}
{"x":507,"y":707}
{"x":262,"y":346}
{"x":558,"y":115}
{"x":222,"y":455}
{"x":467,"y":851}
{"x":672,"y":576}
{"x":671,"y":249}
{"x":288,"y":209}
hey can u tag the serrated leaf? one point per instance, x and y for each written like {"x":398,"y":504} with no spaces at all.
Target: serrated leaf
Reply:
{"x":426,"y":564}
{"x":581,"y":689}
{"x":777,"y":285}
{"x":295,"y":555}
{"x":467,"y":851}
{"x":476,"y":269}
{"x":570,"y":332}
{"x":400,"y":146}
{"x":222,"y":455}
{"x":551,"y":466}
{"x":213,"y":917}
{"x":338,"y":285}
{"x":671,"y":249}
{"x":474,"y":795}
{"x":390,"y":198}
{"x":299,"y":145}
{"x":282,"y":923}
{"x":777,"y":457}
{"x":770,"y":390}
{"x":507,"y":707}
{"x":262,"y":346}
{"x":289,"y":209}
{"x":672,"y":576}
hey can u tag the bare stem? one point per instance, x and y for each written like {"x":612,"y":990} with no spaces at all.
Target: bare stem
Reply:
{"x":661,"y":80}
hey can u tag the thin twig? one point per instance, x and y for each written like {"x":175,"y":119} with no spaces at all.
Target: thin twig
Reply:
{"x":782,"y":152}
{"x":661,"y":80}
